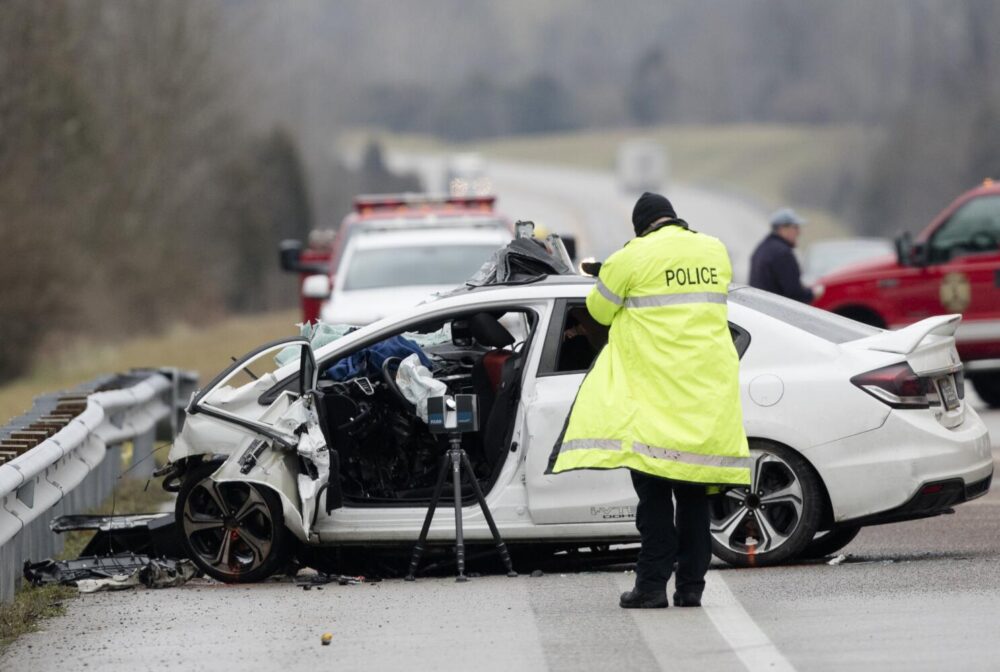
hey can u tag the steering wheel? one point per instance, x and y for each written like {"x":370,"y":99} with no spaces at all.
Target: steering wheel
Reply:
{"x":389,"y":368}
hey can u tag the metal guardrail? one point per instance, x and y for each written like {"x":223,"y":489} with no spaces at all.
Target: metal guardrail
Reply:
{"x":64,"y":456}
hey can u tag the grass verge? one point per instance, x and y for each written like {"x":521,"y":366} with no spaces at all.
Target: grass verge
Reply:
{"x":206,"y":350}
{"x":30,"y":606}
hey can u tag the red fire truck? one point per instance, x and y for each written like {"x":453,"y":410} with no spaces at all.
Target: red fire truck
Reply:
{"x":385,"y":211}
{"x":952,"y":266}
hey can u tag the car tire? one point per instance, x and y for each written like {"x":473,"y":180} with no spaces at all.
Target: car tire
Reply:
{"x":775,"y":519}
{"x":829,"y":542}
{"x":987,"y":386}
{"x":234,"y":531}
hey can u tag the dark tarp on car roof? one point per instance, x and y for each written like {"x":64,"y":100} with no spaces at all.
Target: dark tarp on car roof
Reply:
{"x":523,"y":260}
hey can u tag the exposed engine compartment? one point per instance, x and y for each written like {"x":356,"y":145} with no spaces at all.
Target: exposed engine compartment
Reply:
{"x":386,"y":452}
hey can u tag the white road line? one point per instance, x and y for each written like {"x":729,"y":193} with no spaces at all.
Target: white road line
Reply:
{"x":748,"y":641}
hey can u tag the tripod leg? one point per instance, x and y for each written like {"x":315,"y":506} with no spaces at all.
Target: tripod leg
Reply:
{"x":418,"y":549}
{"x":501,"y":547}
{"x":456,"y":473}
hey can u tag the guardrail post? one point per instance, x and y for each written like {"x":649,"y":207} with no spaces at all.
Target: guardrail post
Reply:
{"x":10,"y":569}
{"x":143,"y":464}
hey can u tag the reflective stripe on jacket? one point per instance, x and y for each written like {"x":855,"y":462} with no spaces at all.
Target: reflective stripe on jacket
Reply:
{"x":663,"y":395}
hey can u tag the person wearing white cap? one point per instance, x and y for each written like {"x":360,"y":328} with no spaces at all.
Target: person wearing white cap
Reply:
{"x":773,"y":266}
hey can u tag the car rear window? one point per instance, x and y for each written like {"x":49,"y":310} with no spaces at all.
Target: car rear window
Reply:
{"x":821,"y":323}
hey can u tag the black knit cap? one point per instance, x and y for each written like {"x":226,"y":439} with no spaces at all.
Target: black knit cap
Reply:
{"x":648,"y":209}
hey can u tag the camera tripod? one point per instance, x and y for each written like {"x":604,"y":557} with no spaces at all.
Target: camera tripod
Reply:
{"x":457,"y":459}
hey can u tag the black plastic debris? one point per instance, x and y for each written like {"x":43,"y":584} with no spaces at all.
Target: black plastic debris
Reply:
{"x":152,"y":534}
{"x":111,"y":572}
{"x":319,"y":579}
{"x":523,"y":260}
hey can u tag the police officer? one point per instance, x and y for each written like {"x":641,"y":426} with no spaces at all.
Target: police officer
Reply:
{"x":662,"y":398}
{"x":773,"y":266}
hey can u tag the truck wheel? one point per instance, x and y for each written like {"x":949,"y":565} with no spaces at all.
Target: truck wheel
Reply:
{"x":774,"y":519}
{"x":233,"y":531}
{"x":988,"y":388}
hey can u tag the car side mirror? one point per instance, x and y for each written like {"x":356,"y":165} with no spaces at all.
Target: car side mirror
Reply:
{"x":909,"y":253}
{"x":316,"y":286}
{"x":290,"y":258}
{"x":290,"y":255}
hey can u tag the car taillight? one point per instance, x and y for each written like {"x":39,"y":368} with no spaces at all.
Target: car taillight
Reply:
{"x":896,"y":385}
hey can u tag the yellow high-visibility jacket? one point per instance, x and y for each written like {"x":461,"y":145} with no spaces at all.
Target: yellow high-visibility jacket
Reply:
{"x":663,"y":396}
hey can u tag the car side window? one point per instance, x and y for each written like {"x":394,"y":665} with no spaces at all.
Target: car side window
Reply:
{"x":973,"y":229}
{"x":574,"y":340}
{"x":741,"y":339}
{"x":582,"y":339}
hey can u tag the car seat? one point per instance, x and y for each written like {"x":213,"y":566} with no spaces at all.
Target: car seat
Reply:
{"x":496,"y":377}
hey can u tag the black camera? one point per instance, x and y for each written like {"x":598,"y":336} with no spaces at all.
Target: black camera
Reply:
{"x":453,"y":415}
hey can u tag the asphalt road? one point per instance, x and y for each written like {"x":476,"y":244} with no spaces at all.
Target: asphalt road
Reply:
{"x":922,"y":595}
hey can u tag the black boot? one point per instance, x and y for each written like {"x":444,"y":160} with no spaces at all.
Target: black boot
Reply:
{"x":633,"y":599}
{"x":687,"y":600}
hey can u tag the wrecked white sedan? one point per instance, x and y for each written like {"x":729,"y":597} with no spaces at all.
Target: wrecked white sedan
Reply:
{"x":849,"y":426}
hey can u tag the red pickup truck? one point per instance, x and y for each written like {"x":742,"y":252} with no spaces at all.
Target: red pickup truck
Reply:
{"x":952,"y":266}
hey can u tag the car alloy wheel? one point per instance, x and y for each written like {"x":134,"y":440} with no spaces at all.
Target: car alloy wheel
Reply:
{"x":775,"y":518}
{"x":233,"y":531}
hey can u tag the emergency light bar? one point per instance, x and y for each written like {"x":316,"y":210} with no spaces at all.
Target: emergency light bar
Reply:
{"x":432,"y":222}
{"x":369,"y":203}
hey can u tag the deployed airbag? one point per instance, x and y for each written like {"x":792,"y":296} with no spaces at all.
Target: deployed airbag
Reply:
{"x":418,"y":385}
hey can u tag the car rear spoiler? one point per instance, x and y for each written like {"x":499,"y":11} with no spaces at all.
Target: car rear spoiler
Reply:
{"x":906,"y":340}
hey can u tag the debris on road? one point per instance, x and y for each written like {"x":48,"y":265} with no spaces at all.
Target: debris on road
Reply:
{"x":837,"y":560}
{"x":319,"y":579}
{"x":537,"y":573}
{"x":113,"y":572}
{"x":326,"y":638}
{"x":152,"y":534}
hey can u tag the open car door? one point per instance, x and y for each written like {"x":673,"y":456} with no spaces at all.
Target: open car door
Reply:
{"x":233,"y":396}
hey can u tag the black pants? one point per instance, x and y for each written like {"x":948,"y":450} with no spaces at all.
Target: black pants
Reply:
{"x":689,"y":542}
